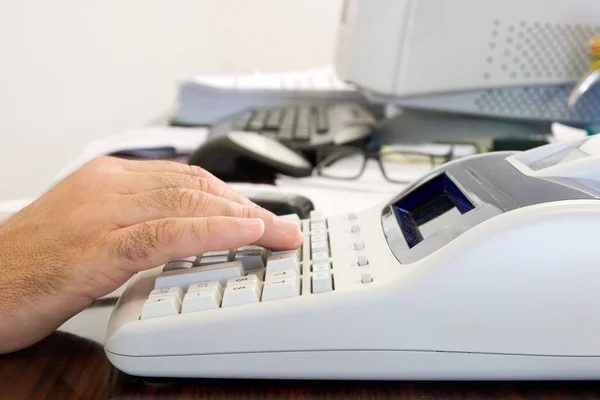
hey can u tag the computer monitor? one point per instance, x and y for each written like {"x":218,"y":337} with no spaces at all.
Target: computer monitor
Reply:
{"x":515,"y":59}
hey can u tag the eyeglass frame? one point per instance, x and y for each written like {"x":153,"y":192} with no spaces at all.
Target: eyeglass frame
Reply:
{"x":376,"y":155}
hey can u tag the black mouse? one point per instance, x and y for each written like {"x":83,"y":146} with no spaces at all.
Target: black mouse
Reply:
{"x":249,"y":157}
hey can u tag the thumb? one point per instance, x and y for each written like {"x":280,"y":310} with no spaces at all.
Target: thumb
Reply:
{"x":156,"y":242}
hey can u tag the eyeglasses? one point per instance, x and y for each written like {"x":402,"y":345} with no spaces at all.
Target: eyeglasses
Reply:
{"x":349,"y":163}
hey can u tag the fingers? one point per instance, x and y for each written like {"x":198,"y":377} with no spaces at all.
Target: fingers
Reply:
{"x":184,"y":203}
{"x":160,"y":174}
{"x":153,"y":243}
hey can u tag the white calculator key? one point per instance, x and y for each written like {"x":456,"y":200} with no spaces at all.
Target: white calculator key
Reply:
{"x":161,"y":307}
{"x":212,"y":285}
{"x":365,"y":275}
{"x":178,"y":264}
{"x":185,"y":278}
{"x":316,"y":215}
{"x":318,"y":232}
{"x":243,"y":280}
{"x":317,"y":225}
{"x":281,"y":288}
{"x":212,"y":260}
{"x":321,"y":267}
{"x":321,"y":282}
{"x":204,"y":299}
{"x":241,"y":294}
{"x":318,"y":247}
{"x":283,"y":261}
{"x":251,"y":259}
{"x":320,"y":257}
{"x":362,"y":260}
{"x":318,"y":238}
{"x":172,"y":291}
{"x":282,"y":274}
{"x":259,"y":272}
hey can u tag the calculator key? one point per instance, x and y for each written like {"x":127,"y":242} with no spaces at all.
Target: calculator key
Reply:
{"x":185,"y":278}
{"x":251,"y":248}
{"x":282,"y":274}
{"x":359,"y":245}
{"x":321,"y":267}
{"x":172,"y":291}
{"x":204,"y":299}
{"x":362,"y":260}
{"x":259,"y":272}
{"x":283,"y":261}
{"x":248,"y":279}
{"x":317,"y":225}
{"x":212,"y":285}
{"x":251,"y":259}
{"x":178,"y":264}
{"x":161,"y":307}
{"x":316,"y":215}
{"x":216,"y":253}
{"x":212,"y":260}
{"x":321,"y":282}
{"x":318,"y":247}
{"x":355,"y":229}
{"x":241,"y":294}
{"x":365,"y":275}
{"x":281,"y":288}
{"x":318,"y":238}
{"x":320,"y":257}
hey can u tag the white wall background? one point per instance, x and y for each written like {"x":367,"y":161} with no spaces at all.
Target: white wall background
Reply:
{"x":75,"y":70}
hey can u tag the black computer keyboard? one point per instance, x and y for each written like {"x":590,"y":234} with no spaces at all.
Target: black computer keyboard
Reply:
{"x":305,"y":127}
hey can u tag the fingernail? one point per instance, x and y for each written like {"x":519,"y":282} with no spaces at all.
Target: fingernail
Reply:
{"x":251,"y":224}
{"x":285,"y":225}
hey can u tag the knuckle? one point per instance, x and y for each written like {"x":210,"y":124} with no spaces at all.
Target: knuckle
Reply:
{"x":202,"y":228}
{"x":167,"y":231}
{"x":193,"y":202}
{"x":196,"y":170}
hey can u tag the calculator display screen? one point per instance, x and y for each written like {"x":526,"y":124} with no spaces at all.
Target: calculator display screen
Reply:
{"x":431,"y":206}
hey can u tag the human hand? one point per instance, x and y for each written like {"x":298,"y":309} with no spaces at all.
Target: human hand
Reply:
{"x":111,"y":218}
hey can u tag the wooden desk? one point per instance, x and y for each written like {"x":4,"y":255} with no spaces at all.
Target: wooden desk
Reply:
{"x":70,"y":364}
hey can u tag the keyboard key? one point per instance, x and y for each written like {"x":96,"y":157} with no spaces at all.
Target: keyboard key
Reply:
{"x":212,"y":285}
{"x":212,"y":260}
{"x":322,"y":121}
{"x":172,"y":291}
{"x":320,"y":257}
{"x":359,"y":245}
{"x":281,"y":288}
{"x":318,"y":232}
{"x":204,"y":299}
{"x":251,"y":259}
{"x":317,"y":225}
{"x":259,"y":272}
{"x":321,"y":282}
{"x":185,"y":278}
{"x":243,"y":293}
{"x":298,"y":253}
{"x":362,"y":260}
{"x":283,"y":261}
{"x":258,"y":122}
{"x":251,"y":248}
{"x":318,"y":247}
{"x":161,"y":307}
{"x":282,"y":274}
{"x":321,"y":267}
{"x":241,"y":123}
{"x":352,"y":216}
{"x":316,"y":216}
{"x":273,"y":119}
{"x":355,"y":229}
{"x":178,"y":264}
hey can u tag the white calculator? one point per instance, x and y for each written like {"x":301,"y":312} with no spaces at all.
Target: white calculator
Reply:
{"x":486,"y":268}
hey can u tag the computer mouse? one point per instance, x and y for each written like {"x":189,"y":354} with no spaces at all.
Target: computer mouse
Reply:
{"x":248,"y":156}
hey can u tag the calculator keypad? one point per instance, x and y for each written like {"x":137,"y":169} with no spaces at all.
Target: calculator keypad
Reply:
{"x":249,"y":274}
